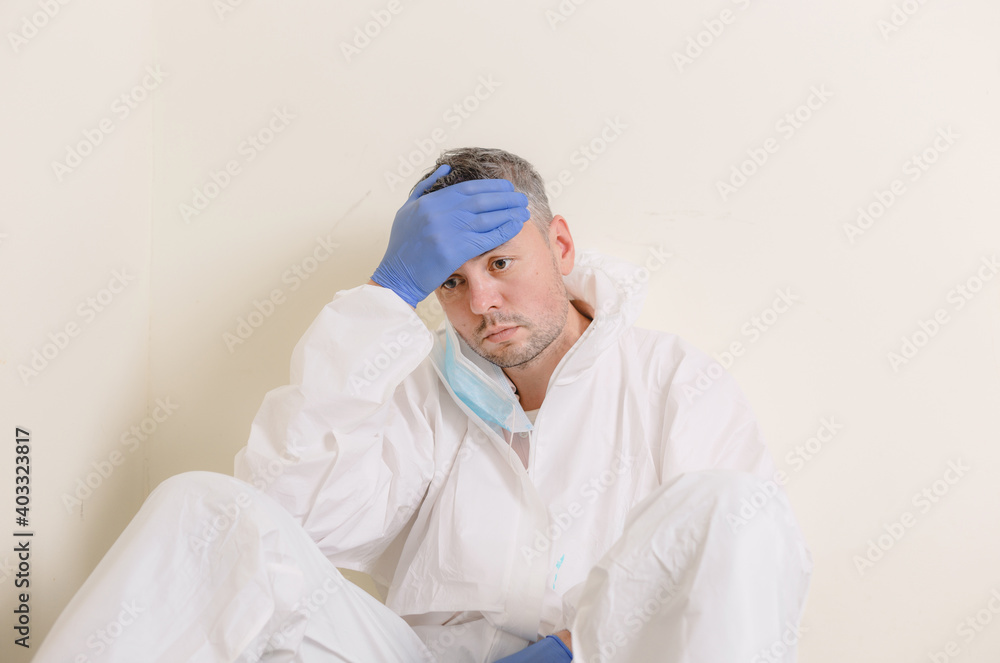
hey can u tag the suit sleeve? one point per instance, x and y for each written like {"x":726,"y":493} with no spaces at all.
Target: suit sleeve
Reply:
{"x":347,"y":446}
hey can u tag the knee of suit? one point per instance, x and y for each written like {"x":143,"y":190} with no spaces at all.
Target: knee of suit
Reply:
{"x":740,"y":499}
{"x":212,"y":510}
{"x":759,"y":510}
{"x":211,"y":489}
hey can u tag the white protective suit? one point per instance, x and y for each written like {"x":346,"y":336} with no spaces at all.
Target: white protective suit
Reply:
{"x":645,"y":518}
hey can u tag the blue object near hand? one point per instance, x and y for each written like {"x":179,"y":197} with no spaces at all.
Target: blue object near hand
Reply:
{"x":435,"y":234}
{"x":549,"y":649}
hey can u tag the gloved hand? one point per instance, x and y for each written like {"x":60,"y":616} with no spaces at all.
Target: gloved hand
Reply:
{"x":434,"y":235}
{"x":549,"y":649}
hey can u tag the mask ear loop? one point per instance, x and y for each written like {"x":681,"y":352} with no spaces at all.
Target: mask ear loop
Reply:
{"x":502,"y":377}
{"x":516,"y":460}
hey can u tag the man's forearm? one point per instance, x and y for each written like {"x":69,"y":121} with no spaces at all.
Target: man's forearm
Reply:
{"x":567,"y":639}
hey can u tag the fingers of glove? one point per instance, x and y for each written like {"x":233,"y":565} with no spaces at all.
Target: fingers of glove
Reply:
{"x":465,"y":196}
{"x":491,"y":221}
{"x":454,"y":194}
{"x":429,"y":181}
{"x":480,"y":243}
{"x":472,"y":187}
{"x":479,"y":214}
{"x":490,"y":202}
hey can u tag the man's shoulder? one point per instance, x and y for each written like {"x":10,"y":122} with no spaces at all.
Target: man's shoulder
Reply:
{"x":661,"y":345}
{"x":669,"y":357}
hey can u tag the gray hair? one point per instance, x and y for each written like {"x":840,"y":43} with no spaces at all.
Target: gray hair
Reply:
{"x":479,"y":163}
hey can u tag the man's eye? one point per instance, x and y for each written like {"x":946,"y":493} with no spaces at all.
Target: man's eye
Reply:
{"x":449,"y":287}
{"x":505,"y":260}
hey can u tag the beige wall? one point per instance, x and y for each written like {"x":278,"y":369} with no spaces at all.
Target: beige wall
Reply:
{"x":547,"y":84}
{"x":74,"y":267}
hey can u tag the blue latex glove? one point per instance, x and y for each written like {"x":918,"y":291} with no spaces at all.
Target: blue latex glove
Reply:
{"x":549,"y":649}
{"x":434,"y":235}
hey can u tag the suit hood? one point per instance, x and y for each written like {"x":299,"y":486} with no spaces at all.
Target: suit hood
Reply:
{"x":608,"y":290}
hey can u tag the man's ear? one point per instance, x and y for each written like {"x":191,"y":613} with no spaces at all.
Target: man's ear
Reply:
{"x":561,"y":242}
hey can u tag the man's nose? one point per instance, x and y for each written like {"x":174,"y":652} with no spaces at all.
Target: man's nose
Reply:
{"x":484,"y":295}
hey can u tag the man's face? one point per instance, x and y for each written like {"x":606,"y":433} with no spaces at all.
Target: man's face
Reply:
{"x":517,"y":285}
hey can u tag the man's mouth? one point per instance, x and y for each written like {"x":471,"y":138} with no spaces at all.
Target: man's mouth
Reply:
{"x":501,"y":334}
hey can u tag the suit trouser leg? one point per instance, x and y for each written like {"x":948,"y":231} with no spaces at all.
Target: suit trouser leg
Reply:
{"x":712,"y":567}
{"x":211,"y":569}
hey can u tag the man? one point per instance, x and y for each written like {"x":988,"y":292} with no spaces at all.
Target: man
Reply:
{"x":537,"y":481}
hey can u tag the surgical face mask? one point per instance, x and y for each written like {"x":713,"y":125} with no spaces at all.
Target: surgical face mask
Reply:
{"x":489,"y":397}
